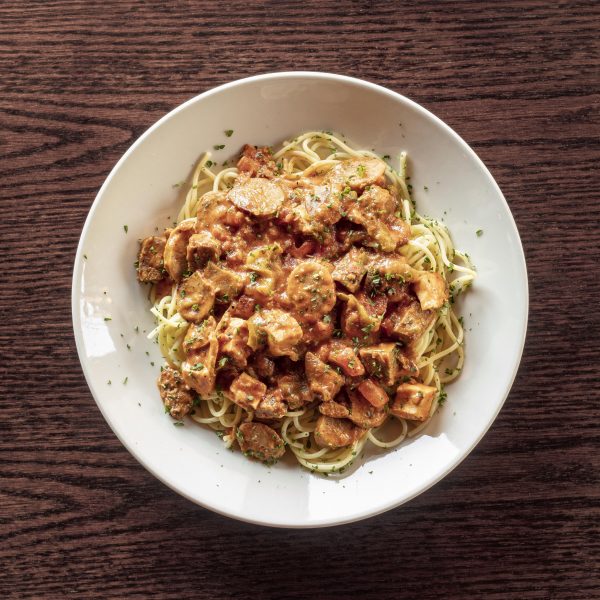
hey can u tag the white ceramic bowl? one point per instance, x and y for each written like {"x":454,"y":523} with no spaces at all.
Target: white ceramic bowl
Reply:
{"x":139,"y":193}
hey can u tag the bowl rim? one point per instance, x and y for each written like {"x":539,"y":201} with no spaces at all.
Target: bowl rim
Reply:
{"x":273,"y":76}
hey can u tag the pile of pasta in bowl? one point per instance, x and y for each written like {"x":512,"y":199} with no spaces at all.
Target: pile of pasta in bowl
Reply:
{"x":302,"y":303}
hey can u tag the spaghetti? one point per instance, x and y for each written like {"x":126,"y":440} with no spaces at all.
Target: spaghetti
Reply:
{"x":436,"y":354}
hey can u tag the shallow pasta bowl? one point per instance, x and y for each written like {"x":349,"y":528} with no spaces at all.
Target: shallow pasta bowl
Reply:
{"x":111,"y":310}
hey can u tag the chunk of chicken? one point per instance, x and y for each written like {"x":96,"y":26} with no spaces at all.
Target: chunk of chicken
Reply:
{"x":311,"y":289}
{"x":175,"y":394}
{"x":276,"y":328}
{"x":358,"y":173}
{"x":150,"y":259}
{"x":258,"y":196}
{"x":227,"y":283}
{"x":407,"y":322}
{"x":271,"y":406}
{"x":341,"y":354}
{"x":334,"y":409}
{"x":233,"y":341}
{"x":198,"y":335}
{"x":175,"y":256}
{"x":373,"y":393}
{"x":408,"y":367}
{"x":195,"y":298}
{"x":202,"y":248}
{"x":257,"y":162}
{"x":323,"y":380}
{"x":380,"y":361}
{"x":319,"y":204}
{"x":335,"y":433}
{"x":363,"y":413}
{"x":413,"y":401}
{"x":199,"y":368}
{"x":295,"y":390}
{"x":431,"y":290}
{"x":375,"y":210}
{"x":361,"y":315}
{"x":351,"y":268}
{"x":265,"y":271}
{"x":258,"y":440}
{"x":247,"y":392}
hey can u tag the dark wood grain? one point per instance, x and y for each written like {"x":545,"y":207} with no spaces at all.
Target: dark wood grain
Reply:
{"x":80,"y":81}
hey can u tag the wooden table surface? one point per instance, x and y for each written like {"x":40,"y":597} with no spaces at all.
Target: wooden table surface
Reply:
{"x":80,"y":81}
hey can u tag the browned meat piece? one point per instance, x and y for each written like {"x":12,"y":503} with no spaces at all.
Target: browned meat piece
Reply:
{"x":333,"y":409}
{"x":202,"y":248}
{"x":263,"y":365}
{"x":361,"y":316}
{"x":317,"y":206}
{"x":390,"y":277}
{"x":257,"y":162}
{"x":335,"y":433}
{"x":276,"y":328}
{"x":175,"y":255}
{"x":363,"y":413}
{"x":375,"y":211}
{"x":407,"y":322}
{"x":258,"y":440}
{"x":373,"y":393}
{"x":272,"y":406}
{"x":347,"y":234}
{"x":380,"y":361}
{"x":295,"y":390}
{"x":151,"y":260}
{"x":243,"y":307}
{"x":431,"y":290}
{"x":195,"y":298}
{"x":323,"y":380}
{"x":413,"y":401}
{"x":233,"y":342}
{"x":198,"y":336}
{"x":408,"y":367}
{"x":350,"y":269}
{"x":259,"y":197}
{"x":175,"y":394}
{"x":227,"y":283}
{"x":247,"y":392}
{"x":199,"y":368}
{"x":341,"y":354}
{"x":311,"y":290}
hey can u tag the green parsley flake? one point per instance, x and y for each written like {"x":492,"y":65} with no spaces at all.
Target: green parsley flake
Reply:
{"x":126,"y":228}
{"x":108,"y":318}
{"x":229,"y":132}
{"x":219,"y":146}
{"x":479,"y":232}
